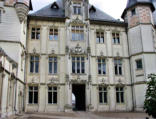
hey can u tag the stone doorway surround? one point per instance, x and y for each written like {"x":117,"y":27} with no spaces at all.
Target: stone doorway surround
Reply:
{"x":79,"y":90}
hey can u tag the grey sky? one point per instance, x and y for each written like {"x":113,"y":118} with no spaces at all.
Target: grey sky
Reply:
{"x":111,"y":7}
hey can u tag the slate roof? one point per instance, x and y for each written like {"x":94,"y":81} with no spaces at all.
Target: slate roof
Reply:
{"x":48,"y":12}
{"x":132,"y":3}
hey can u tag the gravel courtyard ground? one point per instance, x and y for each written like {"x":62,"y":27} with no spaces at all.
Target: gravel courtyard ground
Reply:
{"x":82,"y":115}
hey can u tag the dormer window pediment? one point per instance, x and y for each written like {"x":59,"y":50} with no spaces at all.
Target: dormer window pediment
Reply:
{"x":54,"y":6}
{"x":92,"y":9}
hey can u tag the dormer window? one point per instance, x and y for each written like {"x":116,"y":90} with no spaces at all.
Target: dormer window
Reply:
{"x":77,"y":8}
{"x":133,"y":12}
{"x":54,"y":6}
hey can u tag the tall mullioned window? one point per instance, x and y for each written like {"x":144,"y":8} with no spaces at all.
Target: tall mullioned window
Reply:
{"x":34,"y":64}
{"x":77,"y":8}
{"x":118,"y":66}
{"x":53,"y":65}
{"x":101,"y":66}
{"x":52,"y":95}
{"x":102,"y":95}
{"x":33,"y":94}
{"x":116,"y":38}
{"x":35,"y":33}
{"x":77,"y":33}
{"x":53,"y":34}
{"x":78,"y":65}
{"x":119,"y":94}
{"x":99,"y":37}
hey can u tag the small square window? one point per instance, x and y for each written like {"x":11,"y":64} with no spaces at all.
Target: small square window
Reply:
{"x":139,"y":64}
{"x":133,"y":12}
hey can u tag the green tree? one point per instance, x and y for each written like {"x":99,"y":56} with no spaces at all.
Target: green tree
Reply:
{"x":150,"y":100}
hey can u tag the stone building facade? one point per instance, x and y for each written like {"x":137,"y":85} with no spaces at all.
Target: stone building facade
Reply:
{"x":80,"y":58}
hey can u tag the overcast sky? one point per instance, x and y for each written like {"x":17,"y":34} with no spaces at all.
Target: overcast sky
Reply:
{"x":111,"y":7}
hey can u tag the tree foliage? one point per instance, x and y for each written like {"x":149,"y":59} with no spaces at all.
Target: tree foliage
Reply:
{"x":150,"y":100}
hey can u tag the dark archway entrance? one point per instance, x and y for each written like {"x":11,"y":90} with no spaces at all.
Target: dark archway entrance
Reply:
{"x":80,"y":101}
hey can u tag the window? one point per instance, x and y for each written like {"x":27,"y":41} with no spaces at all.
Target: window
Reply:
{"x":101,"y":66}
{"x":139,"y":64}
{"x":33,"y":94}
{"x":99,"y":37}
{"x":78,"y":65}
{"x":52,"y":65}
{"x":118,"y":67}
{"x":77,"y":33}
{"x":102,"y":95}
{"x":116,"y":38}
{"x":120,"y":95}
{"x":53,"y":34}
{"x":35,"y":33}
{"x":0,"y":15}
{"x":52,"y":95}
{"x":133,"y":12}
{"x":77,"y":8}
{"x":34,"y":64}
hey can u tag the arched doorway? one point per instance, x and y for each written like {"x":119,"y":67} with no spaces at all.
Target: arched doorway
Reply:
{"x":78,"y":91}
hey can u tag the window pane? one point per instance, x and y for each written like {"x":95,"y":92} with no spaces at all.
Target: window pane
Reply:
{"x":73,"y":67}
{"x":50,"y":97}
{"x":50,"y":67}
{"x":50,"y":37}
{"x":120,"y":70}
{"x":32,"y":35}
{"x":78,"y":67}
{"x":83,"y":67}
{"x":105,"y":97}
{"x":99,"y":68}
{"x":102,"y":40}
{"x":100,"y":97}
{"x":104,"y":68}
{"x":30,"y":97}
{"x":55,"y":98}
{"x":36,"y":67}
{"x":55,"y":67}
{"x":55,"y":37}
{"x":122,"y":97}
{"x":37,"y":35}
{"x":117,"y":97}
{"x":116,"y":70}
{"x":35,"y":97}
{"x":31,"y":67}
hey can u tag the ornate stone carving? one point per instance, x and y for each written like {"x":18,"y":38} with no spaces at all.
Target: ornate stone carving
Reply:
{"x":77,"y":50}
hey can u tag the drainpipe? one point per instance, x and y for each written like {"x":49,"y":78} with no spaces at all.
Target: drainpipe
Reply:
{"x":130,"y":72}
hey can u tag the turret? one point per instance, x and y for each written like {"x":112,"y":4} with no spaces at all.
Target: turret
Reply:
{"x":22,"y":7}
{"x":138,"y":12}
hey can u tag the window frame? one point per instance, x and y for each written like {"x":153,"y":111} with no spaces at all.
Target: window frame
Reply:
{"x":101,"y":63}
{"x":118,"y":63}
{"x":121,"y":94}
{"x":104,"y":92}
{"x":52,"y":91}
{"x":33,"y":95}
{"x":77,"y":32}
{"x":133,"y":12}
{"x":34,"y":64}
{"x":77,"y":9}
{"x":137,"y":68}
{"x":116,"y":38}
{"x":75,"y":66}
{"x":36,"y":31}
{"x":99,"y":36}
{"x":52,"y":33}
{"x":53,"y":61}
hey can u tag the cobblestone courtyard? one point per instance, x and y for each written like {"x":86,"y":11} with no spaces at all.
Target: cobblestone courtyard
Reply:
{"x":82,"y":115}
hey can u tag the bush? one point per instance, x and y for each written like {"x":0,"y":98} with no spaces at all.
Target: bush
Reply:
{"x":150,"y":100}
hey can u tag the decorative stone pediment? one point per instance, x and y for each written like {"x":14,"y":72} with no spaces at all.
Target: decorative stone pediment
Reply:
{"x":77,"y":50}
